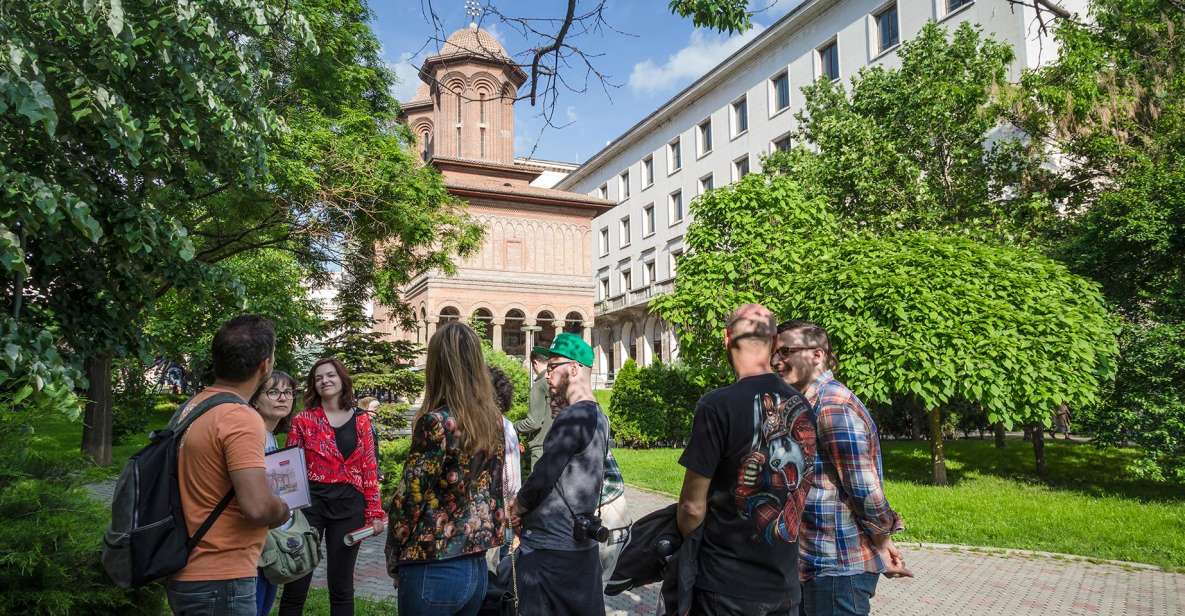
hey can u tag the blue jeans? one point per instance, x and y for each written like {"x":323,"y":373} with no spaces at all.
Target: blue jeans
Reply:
{"x":214,"y":598}
{"x":453,"y":586}
{"x":265,"y":595}
{"x":839,"y":595}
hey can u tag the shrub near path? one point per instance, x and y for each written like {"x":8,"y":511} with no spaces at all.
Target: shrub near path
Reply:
{"x":1085,"y":507}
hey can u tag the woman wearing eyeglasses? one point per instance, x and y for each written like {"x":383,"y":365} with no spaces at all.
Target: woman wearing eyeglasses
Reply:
{"x":273,"y":401}
{"x":449,"y":508}
{"x":339,"y":448}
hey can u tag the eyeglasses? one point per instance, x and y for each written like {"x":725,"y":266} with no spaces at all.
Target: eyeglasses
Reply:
{"x":276,"y":395}
{"x":551,"y":367}
{"x":786,"y":351}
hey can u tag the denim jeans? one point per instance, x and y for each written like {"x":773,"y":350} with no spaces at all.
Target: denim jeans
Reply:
{"x":453,"y":586}
{"x":839,"y":595}
{"x":214,"y":598}
{"x":265,"y":595}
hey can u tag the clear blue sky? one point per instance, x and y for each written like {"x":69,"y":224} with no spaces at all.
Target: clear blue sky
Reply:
{"x":654,"y":55}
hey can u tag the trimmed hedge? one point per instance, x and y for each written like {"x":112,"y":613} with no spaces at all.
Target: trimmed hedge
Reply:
{"x":653,"y":406}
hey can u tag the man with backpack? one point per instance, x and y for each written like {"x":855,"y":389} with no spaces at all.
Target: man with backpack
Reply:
{"x":221,"y":451}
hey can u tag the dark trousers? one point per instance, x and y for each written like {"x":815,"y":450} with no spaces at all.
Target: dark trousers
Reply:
{"x":339,"y":564}
{"x":554,"y":582}
{"x":214,"y":598}
{"x":840,"y":595}
{"x":706,"y":603}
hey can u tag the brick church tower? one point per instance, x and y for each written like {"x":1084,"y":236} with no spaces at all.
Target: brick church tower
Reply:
{"x":532,"y":276}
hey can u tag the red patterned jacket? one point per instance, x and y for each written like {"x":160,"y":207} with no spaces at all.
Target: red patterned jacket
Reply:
{"x":312,"y":431}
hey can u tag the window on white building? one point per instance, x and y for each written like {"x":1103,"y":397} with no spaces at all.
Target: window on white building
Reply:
{"x":603,"y":191}
{"x":675,"y":254}
{"x":888,"y":33}
{"x":604,"y":241}
{"x":740,"y":116}
{"x":740,"y":167}
{"x":781,"y":144}
{"x":624,"y":185}
{"x":647,"y":171}
{"x":829,"y":61}
{"x":648,"y":276}
{"x":603,"y":289}
{"x":704,"y":136}
{"x":705,"y":184}
{"x":779,"y":90}
{"x":675,"y":207}
{"x":674,"y":156}
{"x":648,"y":220}
{"x":954,"y":5}
{"x":627,"y":280}
{"x":625,"y":231}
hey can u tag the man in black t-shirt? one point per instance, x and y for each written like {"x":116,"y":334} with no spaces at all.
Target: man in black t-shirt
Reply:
{"x":749,"y":465}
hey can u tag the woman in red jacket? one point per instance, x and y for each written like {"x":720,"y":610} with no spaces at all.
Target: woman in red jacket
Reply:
{"x":339,"y":450}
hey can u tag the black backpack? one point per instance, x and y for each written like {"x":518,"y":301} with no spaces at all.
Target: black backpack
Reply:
{"x":148,"y":538}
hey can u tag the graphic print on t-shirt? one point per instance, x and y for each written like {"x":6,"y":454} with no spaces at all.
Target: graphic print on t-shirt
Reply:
{"x":774,"y":477}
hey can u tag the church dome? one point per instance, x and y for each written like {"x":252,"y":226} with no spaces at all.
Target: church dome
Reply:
{"x":473,"y":40}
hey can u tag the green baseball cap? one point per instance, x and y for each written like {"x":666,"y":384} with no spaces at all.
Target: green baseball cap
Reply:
{"x":571,"y":346}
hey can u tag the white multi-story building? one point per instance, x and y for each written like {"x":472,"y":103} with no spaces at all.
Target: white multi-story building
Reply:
{"x":719,"y":128}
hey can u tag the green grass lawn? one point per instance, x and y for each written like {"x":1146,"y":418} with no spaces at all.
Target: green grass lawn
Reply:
{"x":62,"y":436}
{"x":317,"y":604}
{"x":1084,"y":507}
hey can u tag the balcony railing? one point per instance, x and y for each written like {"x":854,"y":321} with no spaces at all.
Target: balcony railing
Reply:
{"x":635,"y":297}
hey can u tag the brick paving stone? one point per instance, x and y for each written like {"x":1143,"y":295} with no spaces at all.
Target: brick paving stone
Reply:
{"x":958,"y":582}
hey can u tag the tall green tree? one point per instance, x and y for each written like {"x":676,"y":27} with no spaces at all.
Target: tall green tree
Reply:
{"x":913,"y":314}
{"x":924,"y":146}
{"x":1113,"y":104}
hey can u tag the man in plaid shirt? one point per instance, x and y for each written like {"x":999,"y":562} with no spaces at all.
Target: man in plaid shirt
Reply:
{"x":847,"y":525}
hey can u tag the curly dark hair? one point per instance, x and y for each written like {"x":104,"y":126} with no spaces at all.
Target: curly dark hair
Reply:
{"x":503,"y":389}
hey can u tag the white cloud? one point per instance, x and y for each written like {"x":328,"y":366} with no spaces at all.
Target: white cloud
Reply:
{"x":704,"y":51}
{"x":571,"y":113}
{"x":407,"y":76}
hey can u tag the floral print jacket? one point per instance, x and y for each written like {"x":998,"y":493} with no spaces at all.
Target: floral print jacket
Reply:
{"x":448,"y":503}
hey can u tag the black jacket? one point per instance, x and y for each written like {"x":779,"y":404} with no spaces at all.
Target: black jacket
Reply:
{"x":655,"y":551}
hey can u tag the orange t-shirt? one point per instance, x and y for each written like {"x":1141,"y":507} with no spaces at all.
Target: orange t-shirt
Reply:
{"x":228,"y":437}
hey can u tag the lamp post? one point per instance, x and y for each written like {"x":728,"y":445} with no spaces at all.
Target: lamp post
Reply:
{"x":530,"y":330}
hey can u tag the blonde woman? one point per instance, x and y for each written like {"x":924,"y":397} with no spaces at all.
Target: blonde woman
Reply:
{"x":449,"y":508}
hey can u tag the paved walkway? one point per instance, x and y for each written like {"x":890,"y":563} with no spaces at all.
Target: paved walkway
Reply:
{"x":954,"y":581}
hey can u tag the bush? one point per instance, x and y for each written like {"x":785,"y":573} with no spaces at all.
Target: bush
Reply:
{"x":518,"y":376}
{"x":133,"y":400}
{"x":390,"y":419}
{"x":1147,"y":403}
{"x":51,"y":531}
{"x":393,"y":454}
{"x":653,"y":406}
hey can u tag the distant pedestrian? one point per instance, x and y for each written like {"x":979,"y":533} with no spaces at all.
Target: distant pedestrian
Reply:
{"x":223,"y":450}
{"x":847,"y":526}
{"x":539,"y":408}
{"x":449,"y":507}
{"x":557,"y":510}
{"x":1061,"y":420}
{"x":748,"y":473}
{"x":339,"y":446}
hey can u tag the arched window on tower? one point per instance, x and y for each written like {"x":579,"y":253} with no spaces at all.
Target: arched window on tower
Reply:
{"x":482,"y":127}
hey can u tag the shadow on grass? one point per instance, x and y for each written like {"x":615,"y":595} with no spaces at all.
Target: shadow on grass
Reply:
{"x":1077,"y":467}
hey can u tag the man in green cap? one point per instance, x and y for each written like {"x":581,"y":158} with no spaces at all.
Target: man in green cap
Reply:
{"x":538,"y":420}
{"x":557,"y":511}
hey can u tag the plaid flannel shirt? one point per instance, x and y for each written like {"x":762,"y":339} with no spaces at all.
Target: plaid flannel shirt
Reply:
{"x":846,"y":505}
{"x":614,"y":485}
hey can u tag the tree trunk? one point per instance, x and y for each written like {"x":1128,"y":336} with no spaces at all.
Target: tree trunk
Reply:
{"x":915,"y":422}
{"x":999,"y":430}
{"x":937,"y":455}
{"x":96,"y":425}
{"x":1039,"y":448}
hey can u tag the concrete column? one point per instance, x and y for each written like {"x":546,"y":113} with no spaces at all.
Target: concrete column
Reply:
{"x":588,"y":334}
{"x":496,"y":326}
{"x":431,"y":329}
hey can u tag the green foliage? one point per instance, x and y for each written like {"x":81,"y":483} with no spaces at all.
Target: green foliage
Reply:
{"x":265,"y":282}
{"x":730,"y":16}
{"x":390,"y":419}
{"x":913,"y":314}
{"x":1147,"y":406}
{"x":134,"y":400}
{"x":923,"y":146}
{"x":403,"y":383}
{"x":392,"y":455}
{"x":50,"y":539}
{"x":518,"y":376}
{"x":652,"y":405}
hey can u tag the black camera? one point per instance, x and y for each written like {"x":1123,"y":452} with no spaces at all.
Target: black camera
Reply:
{"x":588,"y":526}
